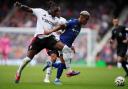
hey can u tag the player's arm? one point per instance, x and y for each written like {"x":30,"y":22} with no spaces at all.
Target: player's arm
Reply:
{"x":57,"y":28}
{"x":60,"y":27}
{"x":112,"y":37}
{"x":23,"y":7}
{"x":126,"y":32}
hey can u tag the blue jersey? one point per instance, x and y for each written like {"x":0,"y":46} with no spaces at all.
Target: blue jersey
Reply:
{"x":72,"y":30}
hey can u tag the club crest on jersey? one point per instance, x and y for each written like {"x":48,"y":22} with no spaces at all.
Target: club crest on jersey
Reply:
{"x":120,"y":34}
{"x":75,"y":30}
{"x":114,"y":32}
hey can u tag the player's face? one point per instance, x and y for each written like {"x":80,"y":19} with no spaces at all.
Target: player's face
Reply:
{"x":57,"y":12}
{"x":84,"y":19}
{"x":53,"y":57}
{"x":115,"y":22}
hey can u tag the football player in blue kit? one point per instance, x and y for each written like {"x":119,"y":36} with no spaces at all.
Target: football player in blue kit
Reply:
{"x":72,"y":29}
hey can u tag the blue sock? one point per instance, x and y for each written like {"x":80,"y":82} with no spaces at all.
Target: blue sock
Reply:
{"x":60,"y":70}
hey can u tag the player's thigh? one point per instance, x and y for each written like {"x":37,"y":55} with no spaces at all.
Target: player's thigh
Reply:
{"x":68,"y":54}
{"x":35,"y":47}
{"x":121,"y":53}
{"x":31,"y":53}
{"x":51,"y":42}
{"x":59,"y":45}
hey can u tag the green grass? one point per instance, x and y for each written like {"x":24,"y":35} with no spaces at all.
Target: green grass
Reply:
{"x":32,"y":78}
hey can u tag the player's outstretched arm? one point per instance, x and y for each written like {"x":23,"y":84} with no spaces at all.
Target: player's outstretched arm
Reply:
{"x":57,"y":28}
{"x":23,"y":7}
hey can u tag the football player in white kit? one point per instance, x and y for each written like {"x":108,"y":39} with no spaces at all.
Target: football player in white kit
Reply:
{"x":45,"y":20}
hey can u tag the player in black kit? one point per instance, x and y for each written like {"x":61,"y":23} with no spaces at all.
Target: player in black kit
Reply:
{"x":119,"y":33}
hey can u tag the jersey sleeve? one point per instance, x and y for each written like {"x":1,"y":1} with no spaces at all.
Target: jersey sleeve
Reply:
{"x":70,"y":23}
{"x":126,"y":30}
{"x":63,"y":21}
{"x":38,"y":11}
{"x":113,"y":35}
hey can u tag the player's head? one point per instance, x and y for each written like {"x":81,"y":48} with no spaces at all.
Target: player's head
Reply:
{"x":53,"y":8}
{"x":84,"y":17}
{"x":115,"y":21}
{"x":53,"y":55}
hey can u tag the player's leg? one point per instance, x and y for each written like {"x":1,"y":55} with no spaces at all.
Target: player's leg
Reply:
{"x":33,"y":49}
{"x":5,"y":55}
{"x":51,"y":45}
{"x":52,"y":58}
{"x":123,"y":63}
{"x":57,"y":65}
{"x":60,"y":46}
{"x":60,"y":67}
{"x":121,"y":52}
{"x":26,"y":60}
{"x":68,"y":56}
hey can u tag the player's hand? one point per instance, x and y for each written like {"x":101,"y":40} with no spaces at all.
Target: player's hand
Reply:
{"x":47,"y":32}
{"x":17,"y":4}
{"x":111,"y":41}
{"x":125,"y":41}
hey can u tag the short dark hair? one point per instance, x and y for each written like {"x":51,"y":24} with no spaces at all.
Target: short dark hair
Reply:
{"x":53,"y":52}
{"x":52,"y":6}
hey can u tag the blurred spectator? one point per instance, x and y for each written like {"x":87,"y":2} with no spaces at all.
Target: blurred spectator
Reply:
{"x":5,"y":47}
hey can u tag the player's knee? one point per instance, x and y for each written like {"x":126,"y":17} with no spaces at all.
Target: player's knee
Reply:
{"x":62,"y":65}
{"x":65,"y":48}
{"x":59,"y":45}
{"x":27,"y":59}
{"x":31,"y":54}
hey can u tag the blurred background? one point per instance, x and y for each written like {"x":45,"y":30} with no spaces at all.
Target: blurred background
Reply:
{"x":92,"y":45}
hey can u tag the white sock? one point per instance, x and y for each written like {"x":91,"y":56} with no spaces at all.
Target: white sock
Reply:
{"x":25,"y":61}
{"x":65,"y":48}
{"x":48,"y":73}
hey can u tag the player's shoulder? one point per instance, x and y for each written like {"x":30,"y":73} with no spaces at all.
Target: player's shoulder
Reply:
{"x":39,"y":10}
{"x":122,"y":26}
{"x":62,"y":20}
{"x":73,"y":21}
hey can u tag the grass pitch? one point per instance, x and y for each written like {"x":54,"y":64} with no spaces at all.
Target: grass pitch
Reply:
{"x":90,"y":78}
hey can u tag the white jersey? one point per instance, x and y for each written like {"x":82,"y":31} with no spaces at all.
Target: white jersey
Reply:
{"x":44,"y":21}
{"x":61,"y":21}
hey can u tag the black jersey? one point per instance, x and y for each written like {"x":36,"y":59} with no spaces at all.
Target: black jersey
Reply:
{"x":119,"y":33}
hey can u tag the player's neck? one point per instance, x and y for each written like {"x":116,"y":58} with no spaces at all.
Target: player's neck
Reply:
{"x":50,"y":13}
{"x":79,"y":21}
{"x":116,"y":26}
